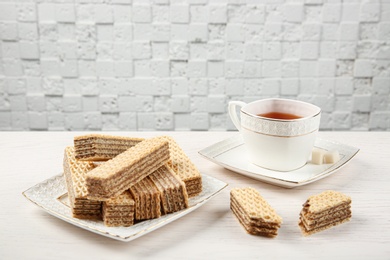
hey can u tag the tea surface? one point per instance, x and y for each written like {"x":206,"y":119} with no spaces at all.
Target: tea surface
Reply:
{"x":278,"y":115}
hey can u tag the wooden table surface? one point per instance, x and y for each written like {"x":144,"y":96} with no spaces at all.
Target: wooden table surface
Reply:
{"x":211,"y":231}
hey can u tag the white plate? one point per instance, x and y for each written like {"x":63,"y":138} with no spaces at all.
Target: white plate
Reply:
{"x":51,"y":195}
{"x":232,"y":154}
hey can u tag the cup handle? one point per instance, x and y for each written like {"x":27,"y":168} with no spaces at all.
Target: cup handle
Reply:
{"x":233,"y":112}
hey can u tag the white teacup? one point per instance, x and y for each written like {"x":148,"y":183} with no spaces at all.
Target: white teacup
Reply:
{"x":274,"y":143}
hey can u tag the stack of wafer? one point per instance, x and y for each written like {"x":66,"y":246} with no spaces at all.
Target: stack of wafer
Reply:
{"x":254,"y":213}
{"x":119,"y":211}
{"x":184,"y":168}
{"x":173,"y":192}
{"x":75,"y":172}
{"x":98,"y":147}
{"x":147,"y":199}
{"x":132,"y":178}
{"x":323,"y":211}
{"x":126,"y":169}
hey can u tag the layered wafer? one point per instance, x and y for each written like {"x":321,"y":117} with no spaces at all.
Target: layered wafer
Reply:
{"x":184,"y":168}
{"x":147,"y":199}
{"x":99,"y":147}
{"x":126,"y":169}
{"x":323,"y":211}
{"x":172,"y":189}
{"x":75,"y":172}
{"x":254,"y":212}
{"x":119,"y":211}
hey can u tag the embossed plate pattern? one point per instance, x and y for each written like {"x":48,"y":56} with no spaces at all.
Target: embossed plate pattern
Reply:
{"x":51,"y":195}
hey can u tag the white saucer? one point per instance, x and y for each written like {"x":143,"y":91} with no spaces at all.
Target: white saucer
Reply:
{"x":231,"y":154}
{"x":52,"y":196}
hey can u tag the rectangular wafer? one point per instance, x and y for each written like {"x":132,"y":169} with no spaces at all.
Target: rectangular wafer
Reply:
{"x":126,"y":169}
{"x":254,"y":212}
{"x":184,"y":168}
{"x":103,"y":147}
{"x":147,"y":199}
{"x":119,"y":211}
{"x":75,"y":172}
{"x":97,"y":147}
{"x":173,"y":191}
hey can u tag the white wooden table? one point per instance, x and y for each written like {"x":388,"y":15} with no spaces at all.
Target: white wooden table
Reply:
{"x":210,"y":232}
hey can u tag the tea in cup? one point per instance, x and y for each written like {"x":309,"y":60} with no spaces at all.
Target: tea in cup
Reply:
{"x":279,"y":133}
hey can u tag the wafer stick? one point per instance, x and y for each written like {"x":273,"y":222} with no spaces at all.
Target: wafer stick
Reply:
{"x":119,"y":211}
{"x":181,"y":164}
{"x":254,"y":212}
{"x":173,"y":192}
{"x":75,"y":172}
{"x":97,"y":147}
{"x":147,"y":199}
{"x":126,"y":169}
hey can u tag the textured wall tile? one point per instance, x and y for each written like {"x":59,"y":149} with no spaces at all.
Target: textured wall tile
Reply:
{"x":90,"y":103}
{"x":9,"y":30}
{"x":164,"y":121}
{"x":344,"y":86}
{"x":217,"y":13}
{"x":8,"y":11}
{"x":362,"y":68}
{"x":5,"y":120}
{"x":27,"y":12}
{"x":15,"y":86}
{"x":28,"y":31}
{"x":182,"y":121}
{"x":142,"y":13}
{"x":110,"y":121}
{"x":165,"y":65}
{"x":331,"y":12}
{"x":65,"y":13}
{"x":92,"y":120}
{"x":379,"y":120}
{"x":47,"y":11}
{"x":127,"y":121}
{"x":369,"y":12}
{"x":37,"y":120}
{"x":199,"y":121}
{"x":18,"y":102}
{"x":198,"y":32}
{"x":103,"y":14}
{"x":381,"y":86}
{"x":74,"y":121}
{"x":179,"y":13}
{"x":350,"y":12}
{"x":108,"y":103}
{"x":72,"y":103}
{"x":293,"y":12}
{"x":146,"y":121}
{"x":19,"y":121}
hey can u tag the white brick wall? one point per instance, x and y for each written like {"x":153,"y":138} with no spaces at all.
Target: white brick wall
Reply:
{"x":174,"y":64}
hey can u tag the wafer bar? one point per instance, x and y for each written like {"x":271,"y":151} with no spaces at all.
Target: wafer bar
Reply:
{"x":323,"y":211}
{"x":254,"y":213}
{"x":75,"y":172}
{"x":102,"y":147}
{"x":173,"y":191}
{"x":98,"y":147}
{"x":126,"y":169}
{"x":254,"y":230}
{"x":147,"y":199}
{"x":184,"y":168}
{"x":119,"y":211}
